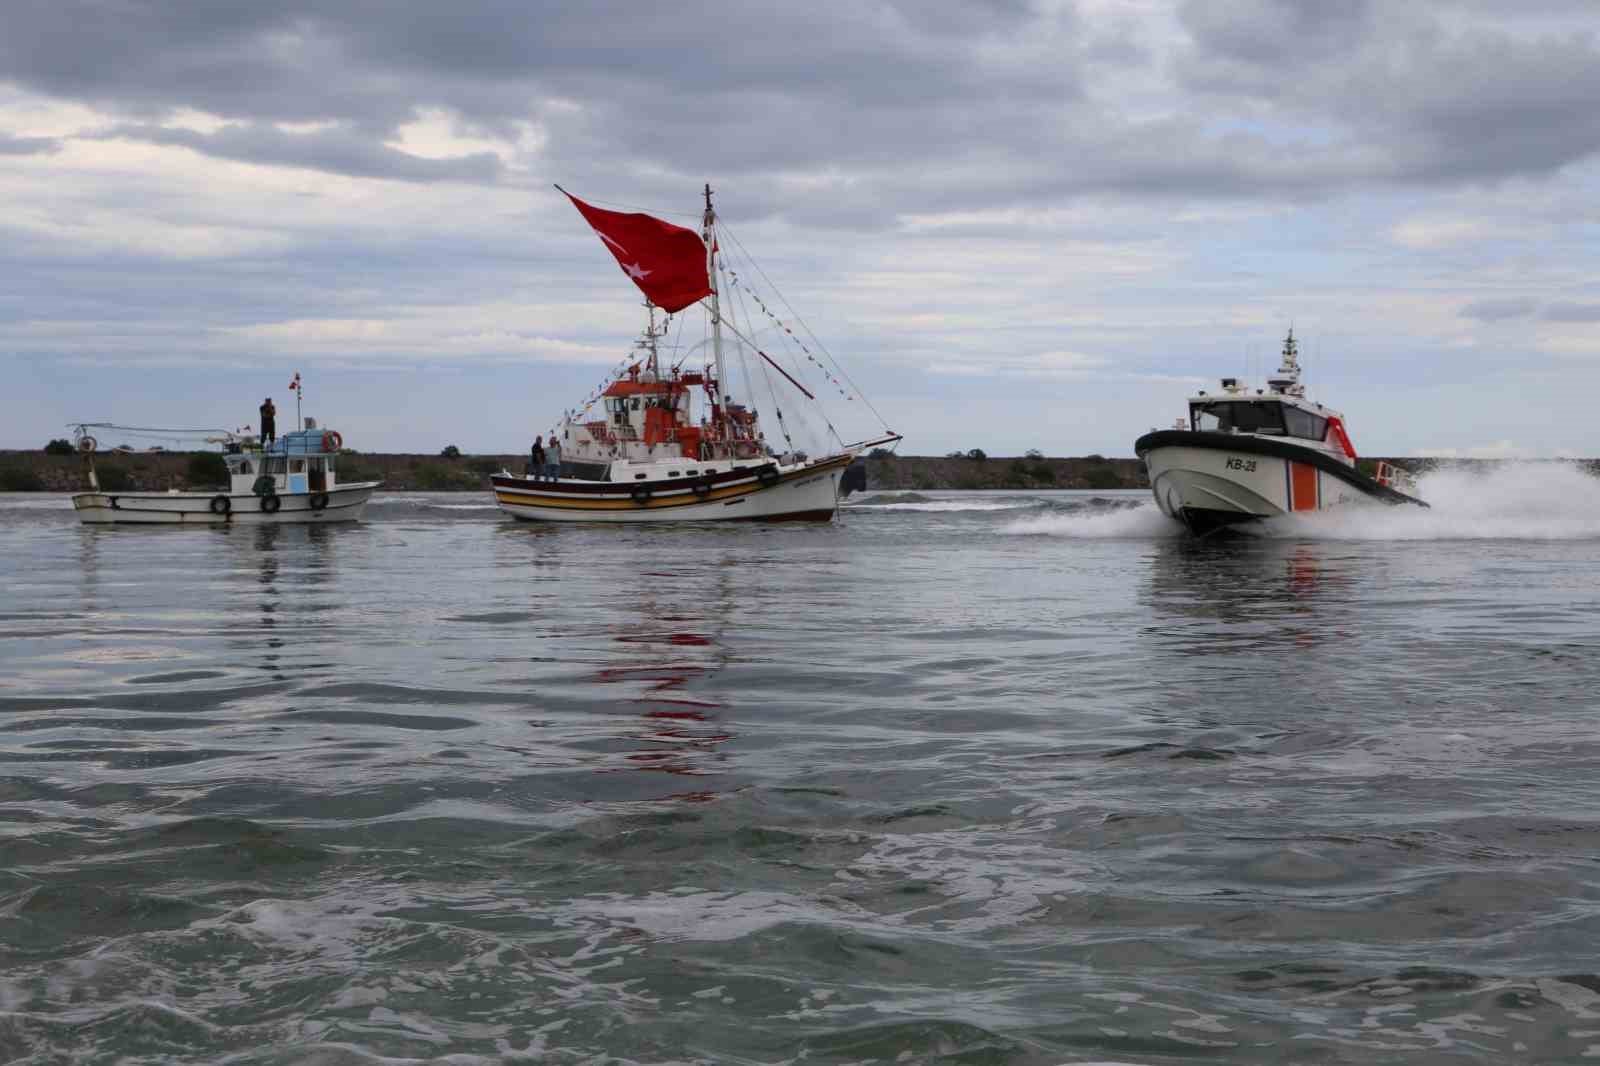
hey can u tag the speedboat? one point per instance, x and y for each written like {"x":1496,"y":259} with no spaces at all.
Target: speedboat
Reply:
{"x":639,"y":450}
{"x":1245,"y":455}
{"x":293,"y":479}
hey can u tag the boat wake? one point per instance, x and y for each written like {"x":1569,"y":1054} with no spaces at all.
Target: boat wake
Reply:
{"x":912,"y":501}
{"x":1099,"y":519}
{"x":1514,"y":501}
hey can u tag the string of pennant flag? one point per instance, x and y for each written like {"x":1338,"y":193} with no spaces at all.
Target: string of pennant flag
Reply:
{"x":733,"y":277}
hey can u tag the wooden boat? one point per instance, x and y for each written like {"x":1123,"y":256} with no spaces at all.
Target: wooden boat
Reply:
{"x":293,"y":479}
{"x":648,"y":454}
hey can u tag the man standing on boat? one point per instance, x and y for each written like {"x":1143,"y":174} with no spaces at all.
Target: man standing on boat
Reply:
{"x":536,"y":458}
{"x":269,"y":421}
{"x":553,"y":466}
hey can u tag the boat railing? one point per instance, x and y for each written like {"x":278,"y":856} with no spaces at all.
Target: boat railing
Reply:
{"x":1392,"y":476}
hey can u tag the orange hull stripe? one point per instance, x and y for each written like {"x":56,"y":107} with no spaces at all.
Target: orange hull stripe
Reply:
{"x":1303,"y":484}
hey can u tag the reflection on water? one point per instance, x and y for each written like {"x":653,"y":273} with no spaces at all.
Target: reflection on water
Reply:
{"x":1225,"y":597}
{"x":1029,"y":783}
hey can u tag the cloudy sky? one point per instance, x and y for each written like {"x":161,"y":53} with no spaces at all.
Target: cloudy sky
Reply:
{"x":1018,"y":225}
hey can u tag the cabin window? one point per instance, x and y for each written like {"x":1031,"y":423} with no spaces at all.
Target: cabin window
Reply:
{"x":244,"y":467}
{"x":692,"y":473}
{"x":273,"y":464}
{"x":297,"y":466}
{"x":636,"y":403}
{"x":640,"y":477}
{"x":672,"y":473}
{"x":1237,"y":416}
{"x":1304,"y":424}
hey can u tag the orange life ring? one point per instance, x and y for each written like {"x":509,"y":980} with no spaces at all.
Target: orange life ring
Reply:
{"x":331,"y":441}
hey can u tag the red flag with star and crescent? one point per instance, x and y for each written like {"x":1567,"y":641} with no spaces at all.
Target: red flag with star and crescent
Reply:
{"x":667,"y":262}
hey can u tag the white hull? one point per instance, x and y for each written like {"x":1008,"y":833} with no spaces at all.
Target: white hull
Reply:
{"x":810,"y":492}
{"x":345,"y":503}
{"x":1239,"y":486}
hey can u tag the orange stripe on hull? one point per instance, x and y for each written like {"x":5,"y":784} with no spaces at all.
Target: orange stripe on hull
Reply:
{"x":1302,"y":487}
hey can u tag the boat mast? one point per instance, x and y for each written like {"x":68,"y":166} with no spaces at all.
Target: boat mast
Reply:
{"x":648,"y":344}
{"x":720,"y":401}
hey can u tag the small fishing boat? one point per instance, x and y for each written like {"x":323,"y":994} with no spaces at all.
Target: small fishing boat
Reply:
{"x":293,"y":479}
{"x":1242,"y":456}
{"x":648,"y":454}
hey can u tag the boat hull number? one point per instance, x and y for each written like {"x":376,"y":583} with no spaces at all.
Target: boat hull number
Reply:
{"x":1235,"y":463}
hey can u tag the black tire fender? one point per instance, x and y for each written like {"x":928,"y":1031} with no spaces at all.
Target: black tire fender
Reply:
{"x":270,"y":504}
{"x":641,"y":495}
{"x":318,"y":501}
{"x":702,"y":489}
{"x":767,"y":475}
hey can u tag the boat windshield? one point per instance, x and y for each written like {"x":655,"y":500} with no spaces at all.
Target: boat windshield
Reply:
{"x":1256,"y":416}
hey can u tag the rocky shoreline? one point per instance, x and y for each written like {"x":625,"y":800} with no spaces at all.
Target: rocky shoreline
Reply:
{"x":34,"y":471}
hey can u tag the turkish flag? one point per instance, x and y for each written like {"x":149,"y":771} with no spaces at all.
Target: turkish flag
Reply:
{"x":667,"y":262}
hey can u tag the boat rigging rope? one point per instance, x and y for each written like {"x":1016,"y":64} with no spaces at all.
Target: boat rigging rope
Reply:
{"x":783,"y":426}
{"x":723,"y":228}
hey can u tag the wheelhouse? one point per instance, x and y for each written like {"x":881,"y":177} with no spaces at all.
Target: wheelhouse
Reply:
{"x":1270,"y":417}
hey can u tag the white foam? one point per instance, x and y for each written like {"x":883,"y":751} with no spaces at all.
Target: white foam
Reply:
{"x":949,"y":505}
{"x":1510,"y":501}
{"x":1145,"y":522}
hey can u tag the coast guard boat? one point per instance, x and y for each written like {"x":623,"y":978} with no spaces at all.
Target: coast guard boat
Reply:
{"x":647,"y":455}
{"x":293,"y":479}
{"x":1242,"y":456}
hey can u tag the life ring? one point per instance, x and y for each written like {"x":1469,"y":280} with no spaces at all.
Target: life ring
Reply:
{"x":87,"y":444}
{"x":270,"y":504}
{"x":221,"y":504}
{"x":767,"y":475}
{"x":641,"y":495}
{"x":331,"y":441}
{"x":318,"y":501}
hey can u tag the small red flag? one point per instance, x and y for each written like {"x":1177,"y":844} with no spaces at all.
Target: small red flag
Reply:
{"x":667,"y":262}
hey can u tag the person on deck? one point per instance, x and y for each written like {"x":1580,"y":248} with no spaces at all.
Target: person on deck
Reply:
{"x":552,"y":467}
{"x":536,"y":465}
{"x":269,"y":421}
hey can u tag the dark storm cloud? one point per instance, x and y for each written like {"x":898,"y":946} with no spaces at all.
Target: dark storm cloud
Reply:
{"x":10,"y":145}
{"x":331,"y":150}
{"x":1573,"y":312}
{"x":1398,"y":88}
{"x":841,"y":107}
{"x":1498,"y":310}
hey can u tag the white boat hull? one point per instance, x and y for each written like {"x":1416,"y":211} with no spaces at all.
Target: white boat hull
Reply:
{"x":1207,"y":488}
{"x":345,"y":503}
{"x":809,"y":492}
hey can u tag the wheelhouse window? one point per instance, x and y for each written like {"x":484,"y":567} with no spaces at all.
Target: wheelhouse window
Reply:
{"x":1237,"y":416}
{"x":1305,"y":424}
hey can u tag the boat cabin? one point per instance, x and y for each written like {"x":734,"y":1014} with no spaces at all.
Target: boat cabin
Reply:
{"x":646,"y":421}
{"x":1279,"y":410}
{"x":298,"y":462}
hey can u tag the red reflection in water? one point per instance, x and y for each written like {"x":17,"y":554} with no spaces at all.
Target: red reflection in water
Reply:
{"x":691,"y":640}
{"x":679,"y":734}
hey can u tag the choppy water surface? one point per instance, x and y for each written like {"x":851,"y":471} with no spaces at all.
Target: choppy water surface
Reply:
{"x":998,"y":778}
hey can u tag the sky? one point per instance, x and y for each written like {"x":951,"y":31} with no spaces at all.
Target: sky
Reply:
{"x":1016,"y":225}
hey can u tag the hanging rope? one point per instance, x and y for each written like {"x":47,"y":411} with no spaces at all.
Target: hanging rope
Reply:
{"x":820,"y":347}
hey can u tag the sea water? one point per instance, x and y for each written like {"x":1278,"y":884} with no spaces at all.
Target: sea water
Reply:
{"x":981,"y":778}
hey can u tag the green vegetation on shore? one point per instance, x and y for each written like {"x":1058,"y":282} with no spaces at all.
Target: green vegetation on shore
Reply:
{"x":36,"y":471}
